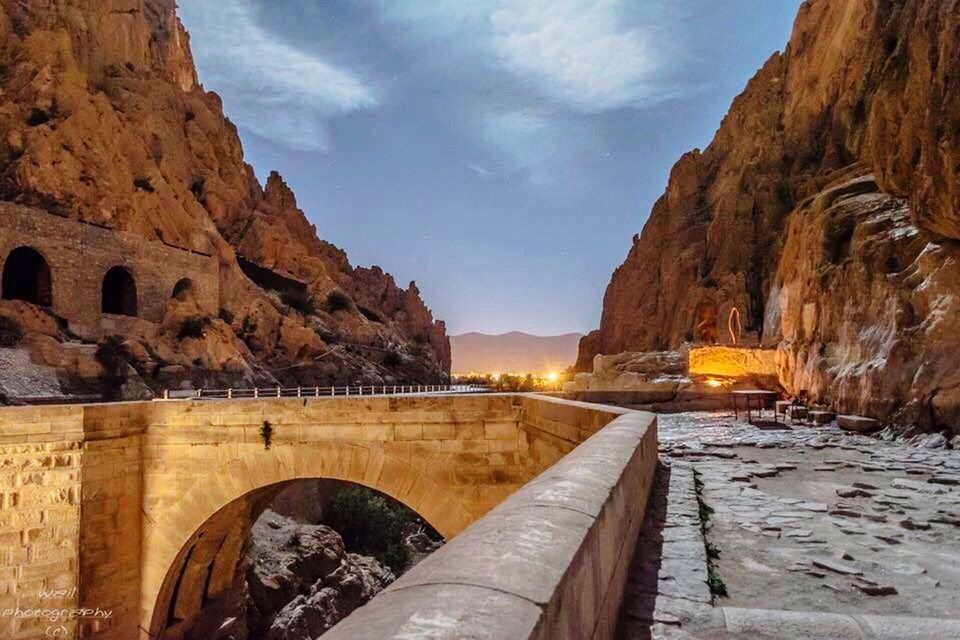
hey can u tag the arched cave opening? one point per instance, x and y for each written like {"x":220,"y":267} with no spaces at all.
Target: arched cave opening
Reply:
{"x":119,"y":293}
{"x":289,"y":558}
{"x":183,"y":290}
{"x":26,"y":276}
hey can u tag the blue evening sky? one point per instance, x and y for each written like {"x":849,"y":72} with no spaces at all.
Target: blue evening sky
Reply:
{"x":502,"y":153}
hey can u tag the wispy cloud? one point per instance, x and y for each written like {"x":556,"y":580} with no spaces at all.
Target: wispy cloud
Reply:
{"x":483,"y":172}
{"x":270,"y":87}
{"x":538,"y":145}
{"x":585,"y":55}
{"x":577,"y":51}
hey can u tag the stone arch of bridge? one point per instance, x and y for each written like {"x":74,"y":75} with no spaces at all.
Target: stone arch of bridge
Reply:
{"x":190,"y":552}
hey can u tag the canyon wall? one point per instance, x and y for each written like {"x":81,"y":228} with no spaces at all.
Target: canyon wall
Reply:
{"x":103,"y":120}
{"x":827,"y":212}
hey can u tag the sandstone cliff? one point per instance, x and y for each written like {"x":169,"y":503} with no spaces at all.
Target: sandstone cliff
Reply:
{"x":102,"y":119}
{"x":827,"y":211}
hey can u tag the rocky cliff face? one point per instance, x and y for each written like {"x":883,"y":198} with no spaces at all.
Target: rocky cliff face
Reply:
{"x":102,"y":118}
{"x":826,"y":212}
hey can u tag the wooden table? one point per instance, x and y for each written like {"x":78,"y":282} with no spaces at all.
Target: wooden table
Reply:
{"x":761,"y":397}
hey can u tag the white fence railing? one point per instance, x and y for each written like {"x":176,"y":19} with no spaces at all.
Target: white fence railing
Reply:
{"x":320,"y":392}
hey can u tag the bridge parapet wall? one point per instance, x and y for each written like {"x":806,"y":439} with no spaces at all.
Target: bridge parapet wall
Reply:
{"x":549,"y":562}
{"x":141,"y":509}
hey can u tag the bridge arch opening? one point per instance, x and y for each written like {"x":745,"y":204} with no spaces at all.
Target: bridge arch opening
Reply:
{"x":26,"y":276}
{"x":214,"y":578}
{"x":118,"y":294}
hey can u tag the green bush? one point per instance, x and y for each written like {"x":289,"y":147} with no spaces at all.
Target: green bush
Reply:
{"x":392,"y":359}
{"x":111,"y":354}
{"x":338,"y":301}
{"x":192,"y":327}
{"x":371,"y":525}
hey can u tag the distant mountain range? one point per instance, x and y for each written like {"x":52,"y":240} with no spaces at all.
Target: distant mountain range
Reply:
{"x":513,"y":352}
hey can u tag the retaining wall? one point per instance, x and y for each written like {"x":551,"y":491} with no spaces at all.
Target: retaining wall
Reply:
{"x":79,"y":255}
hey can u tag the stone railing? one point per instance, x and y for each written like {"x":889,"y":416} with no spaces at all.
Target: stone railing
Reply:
{"x":548,"y":562}
{"x":319,"y":392}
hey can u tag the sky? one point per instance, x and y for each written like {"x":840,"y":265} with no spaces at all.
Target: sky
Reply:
{"x":502,"y":153}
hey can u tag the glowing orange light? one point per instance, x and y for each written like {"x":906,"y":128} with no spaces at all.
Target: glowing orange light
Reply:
{"x":713,"y":382}
{"x":553,"y":376}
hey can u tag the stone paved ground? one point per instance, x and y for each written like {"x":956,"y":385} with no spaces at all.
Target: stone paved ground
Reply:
{"x":808,"y":519}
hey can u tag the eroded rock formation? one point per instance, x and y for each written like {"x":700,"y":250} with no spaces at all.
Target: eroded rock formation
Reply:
{"x":827,"y":211}
{"x":103,"y":119}
{"x":300,"y":581}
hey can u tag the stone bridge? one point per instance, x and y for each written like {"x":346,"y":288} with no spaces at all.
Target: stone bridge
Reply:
{"x":142,"y":509}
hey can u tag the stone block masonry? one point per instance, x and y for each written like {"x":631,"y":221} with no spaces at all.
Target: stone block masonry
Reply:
{"x":137,"y":512}
{"x":80,"y":254}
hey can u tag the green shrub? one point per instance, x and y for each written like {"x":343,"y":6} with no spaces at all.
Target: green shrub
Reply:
{"x":111,"y":354}
{"x":392,"y":359}
{"x":300,"y":300}
{"x":192,"y":327}
{"x":371,"y":525}
{"x":338,"y":301}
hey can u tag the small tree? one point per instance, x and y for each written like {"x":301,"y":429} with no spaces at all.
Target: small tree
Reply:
{"x":370,"y":525}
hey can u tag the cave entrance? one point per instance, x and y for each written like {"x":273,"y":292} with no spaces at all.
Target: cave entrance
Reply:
{"x":119,"y":293}
{"x":273,"y":547}
{"x":26,"y":276}
{"x":183,"y":290}
{"x":706,"y":329}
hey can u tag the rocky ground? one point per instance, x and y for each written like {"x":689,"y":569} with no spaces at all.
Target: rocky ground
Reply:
{"x":302,"y":581}
{"x":835,"y":528}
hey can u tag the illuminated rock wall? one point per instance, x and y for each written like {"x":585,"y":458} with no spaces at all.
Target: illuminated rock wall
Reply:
{"x":733,"y":362}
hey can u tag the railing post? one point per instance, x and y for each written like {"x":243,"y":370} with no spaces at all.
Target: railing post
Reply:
{"x":230,"y":393}
{"x":278,"y":392}
{"x":333,"y":391}
{"x":299,"y":395}
{"x":256,"y":392}
{"x":166,"y":394}
{"x":348,"y":389}
{"x":199,"y":393}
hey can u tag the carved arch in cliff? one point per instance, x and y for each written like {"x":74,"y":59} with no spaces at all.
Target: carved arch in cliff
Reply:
{"x":26,"y":276}
{"x":118,"y":294}
{"x":191,"y":552}
{"x":183,"y":290}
